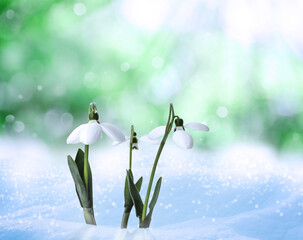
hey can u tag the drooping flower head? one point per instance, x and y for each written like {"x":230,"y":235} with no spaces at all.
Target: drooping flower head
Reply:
{"x":91,"y":132}
{"x":180,"y":137}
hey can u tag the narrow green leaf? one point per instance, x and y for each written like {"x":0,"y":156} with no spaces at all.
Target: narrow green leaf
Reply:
{"x":80,"y":164}
{"x":79,"y":197}
{"x":131,"y":173}
{"x":139,"y":184}
{"x":128,"y":202}
{"x":134,"y":193}
{"x":147,"y":219}
{"x":156,"y":194}
{"x":80,"y":187}
{"x":90,"y":185}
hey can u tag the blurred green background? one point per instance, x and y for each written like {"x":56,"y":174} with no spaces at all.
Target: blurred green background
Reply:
{"x":235,"y":65}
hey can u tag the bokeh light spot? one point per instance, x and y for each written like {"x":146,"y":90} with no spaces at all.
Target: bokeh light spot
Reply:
{"x":79,"y":9}
{"x":67,"y":120}
{"x":10,"y":14}
{"x":58,"y":122}
{"x":222,"y":112}
{"x":10,"y":118}
{"x":125,"y":67}
{"x":18,"y":126}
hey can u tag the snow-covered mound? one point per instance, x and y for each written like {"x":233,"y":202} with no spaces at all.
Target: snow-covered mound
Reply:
{"x":244,"y":192}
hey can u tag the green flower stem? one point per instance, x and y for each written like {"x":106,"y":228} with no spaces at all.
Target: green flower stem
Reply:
{"x":131,"y":146}
{"x":126,"y":212}
{"x":86,"y":167}
{"x":167,"y":131}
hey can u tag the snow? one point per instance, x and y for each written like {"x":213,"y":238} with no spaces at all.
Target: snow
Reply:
{"x":246,"y":191}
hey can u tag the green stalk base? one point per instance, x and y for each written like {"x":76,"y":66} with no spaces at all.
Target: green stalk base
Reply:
{"x":89,"y":216}
{"x":124,"y":221}
{"x":141,"y":225}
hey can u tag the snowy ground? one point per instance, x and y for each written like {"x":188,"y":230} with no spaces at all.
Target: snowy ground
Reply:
{"x":244,"y":192}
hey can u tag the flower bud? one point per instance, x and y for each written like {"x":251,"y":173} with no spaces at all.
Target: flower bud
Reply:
{"x":93,"y":112}
{"x":135,"y":142}
{"x":179,"y":122}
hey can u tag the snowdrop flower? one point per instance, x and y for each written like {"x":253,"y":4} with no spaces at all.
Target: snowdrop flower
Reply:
{"x":91,"y":132}
{"x":180,"y":137}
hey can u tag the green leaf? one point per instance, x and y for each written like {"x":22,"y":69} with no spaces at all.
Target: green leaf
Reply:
{"x":90,"y":185}
{"x":139,"y":184}
{"x":79,"y":184}
{"x":146,"y":222}
{"x":156,"y":194}
{"x":79,"y":197}
{"x":134,"y":193}
{"x":127,"y":197}
{"x":128,"y":202}
{"x":80,"y":164}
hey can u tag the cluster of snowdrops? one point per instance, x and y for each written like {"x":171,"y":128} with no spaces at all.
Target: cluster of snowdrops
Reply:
{"x":80,"y":169}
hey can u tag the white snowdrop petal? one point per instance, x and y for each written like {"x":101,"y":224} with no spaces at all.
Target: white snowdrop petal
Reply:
{"x":156,"y":133}
{"x":183,"y":139}
{"x":115,"y":143}
{"x":148,"y":140}
{"x":91,"y":133}
{"x":73,"y":138}
{"x":113,"y":132}
{"x":196,"y":126}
